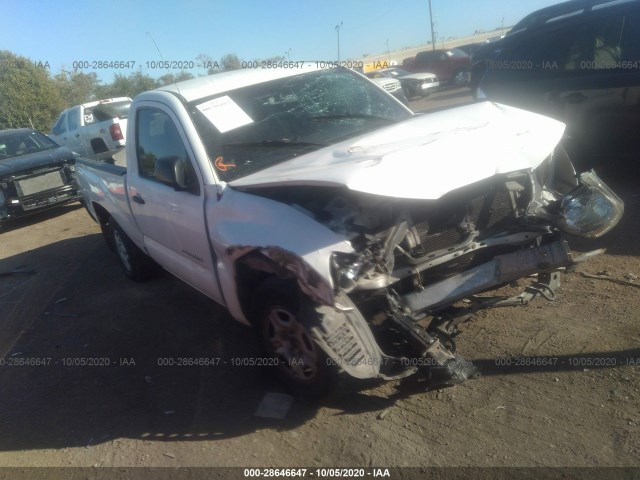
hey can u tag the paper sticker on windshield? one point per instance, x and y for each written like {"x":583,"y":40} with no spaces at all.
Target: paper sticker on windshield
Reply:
{"x":224,"y":113}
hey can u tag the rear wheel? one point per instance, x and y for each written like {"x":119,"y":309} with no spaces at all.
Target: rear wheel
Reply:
{"x":135,"y":264}
{"x":282,"y":319}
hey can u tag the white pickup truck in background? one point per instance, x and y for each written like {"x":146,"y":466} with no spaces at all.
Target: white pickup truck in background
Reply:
{"x":95,"y":129}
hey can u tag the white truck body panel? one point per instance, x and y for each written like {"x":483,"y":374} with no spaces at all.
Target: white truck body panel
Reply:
{"x":444,"y":151}
{"x":321,"y":209}
{"x":199,"y":238}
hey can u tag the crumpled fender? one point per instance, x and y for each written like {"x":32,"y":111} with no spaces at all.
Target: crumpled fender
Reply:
{"x":241,"y":223}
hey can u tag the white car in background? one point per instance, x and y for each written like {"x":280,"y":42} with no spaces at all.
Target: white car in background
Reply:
{"x":388,"y":84}
{"x":413,"y":84}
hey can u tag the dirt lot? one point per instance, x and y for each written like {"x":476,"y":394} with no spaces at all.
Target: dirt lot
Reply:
{"x":581,"y":411}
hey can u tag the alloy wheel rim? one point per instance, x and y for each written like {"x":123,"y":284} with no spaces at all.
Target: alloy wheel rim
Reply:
{"x":290,"y":341}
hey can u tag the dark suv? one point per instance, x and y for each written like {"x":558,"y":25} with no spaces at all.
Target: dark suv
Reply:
{"x":579,"y":62}
{"x":450,"y":66}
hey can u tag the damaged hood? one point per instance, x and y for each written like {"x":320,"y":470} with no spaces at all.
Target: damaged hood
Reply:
{"x":424,"y":157}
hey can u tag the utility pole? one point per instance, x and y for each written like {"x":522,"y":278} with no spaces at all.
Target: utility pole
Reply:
{"x":433,"y":33}
{"x":338,"y":30}
{"x":388,"y":53}
{"x":288,"y":52}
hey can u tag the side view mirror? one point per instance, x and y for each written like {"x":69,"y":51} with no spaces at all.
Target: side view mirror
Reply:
{"x":176,"y":172}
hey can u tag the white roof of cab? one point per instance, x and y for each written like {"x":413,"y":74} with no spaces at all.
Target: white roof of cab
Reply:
{"x":202,"y":87}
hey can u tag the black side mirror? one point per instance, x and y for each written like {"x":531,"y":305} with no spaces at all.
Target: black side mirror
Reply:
{"x":176,"y":172}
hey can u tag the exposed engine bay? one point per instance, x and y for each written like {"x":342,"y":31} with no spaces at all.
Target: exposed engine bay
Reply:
{"x":419,"y":266}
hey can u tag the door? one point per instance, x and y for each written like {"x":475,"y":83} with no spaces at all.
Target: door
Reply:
{"x":171,"y":221}
{"x":74,"y":137}
{"x":59,"y":130}
{"x":584,"y":72}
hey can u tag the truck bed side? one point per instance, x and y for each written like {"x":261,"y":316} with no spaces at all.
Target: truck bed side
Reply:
{"x":104,"y":191}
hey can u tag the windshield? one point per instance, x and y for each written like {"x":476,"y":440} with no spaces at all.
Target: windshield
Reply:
{"x":253,"y":128}
{"x":14,"y":144}
{"x":456,"y":52}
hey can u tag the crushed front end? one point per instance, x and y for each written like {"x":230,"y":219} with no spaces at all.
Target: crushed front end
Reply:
{"x":421,"y":267}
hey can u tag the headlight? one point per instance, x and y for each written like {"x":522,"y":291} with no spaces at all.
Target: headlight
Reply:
{"x":592,"y":209}
{"x":347,"y":268}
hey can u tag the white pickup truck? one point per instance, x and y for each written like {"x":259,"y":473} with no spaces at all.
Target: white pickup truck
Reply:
{"x":318,"y":208}
{"x":95,"y":129}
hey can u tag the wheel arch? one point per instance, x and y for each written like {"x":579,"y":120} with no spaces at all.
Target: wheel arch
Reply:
{"x":341,"y":332}
{"x":257,"y":265}
{"x":103,"y":217}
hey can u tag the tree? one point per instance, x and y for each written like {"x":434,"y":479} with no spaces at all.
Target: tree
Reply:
{"x":170,"y":78}
{"x":275,"y":59}
{"x":77,"y":87}
{"x":230,"y":62}
{"x":206,"y":61}
{"x":127,"y":86}
{"x":29,"y":94}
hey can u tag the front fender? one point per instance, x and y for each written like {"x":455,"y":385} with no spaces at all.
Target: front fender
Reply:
{"x":240,"y":223}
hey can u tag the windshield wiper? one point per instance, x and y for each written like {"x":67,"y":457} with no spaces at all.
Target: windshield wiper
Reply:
{"x":274,"y":143}
{"x":351,"y":115}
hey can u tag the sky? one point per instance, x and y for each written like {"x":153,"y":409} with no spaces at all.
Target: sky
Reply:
{"x":59,"y":33}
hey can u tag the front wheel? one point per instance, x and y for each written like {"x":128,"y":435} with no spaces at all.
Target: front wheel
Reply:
{"x":282,"y":317}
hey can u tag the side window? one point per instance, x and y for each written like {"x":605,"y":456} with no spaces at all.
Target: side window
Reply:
{"x":73,"y":119}
{"x":158,"y":137}
{"x":543,"y":54}
{"x":88,"y":116}
{"x":629,"y":44}
{"x":586,"y":46}
{"x":59,"y":128}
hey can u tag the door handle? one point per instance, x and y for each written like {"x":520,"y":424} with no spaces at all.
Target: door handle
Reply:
{"x":138,"y":199}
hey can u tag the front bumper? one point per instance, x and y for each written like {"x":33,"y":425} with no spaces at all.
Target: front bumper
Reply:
{"x":500,"y":270}
{"x":426,"y":88}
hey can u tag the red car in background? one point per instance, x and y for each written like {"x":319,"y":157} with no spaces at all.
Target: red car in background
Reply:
{"x":450,"y":66}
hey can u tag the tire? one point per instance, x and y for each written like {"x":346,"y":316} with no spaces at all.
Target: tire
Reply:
{"x":135,"y":264}
{"x":461,"y":78}
{"x":298,"y":360}
{"x":408,"y":93}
